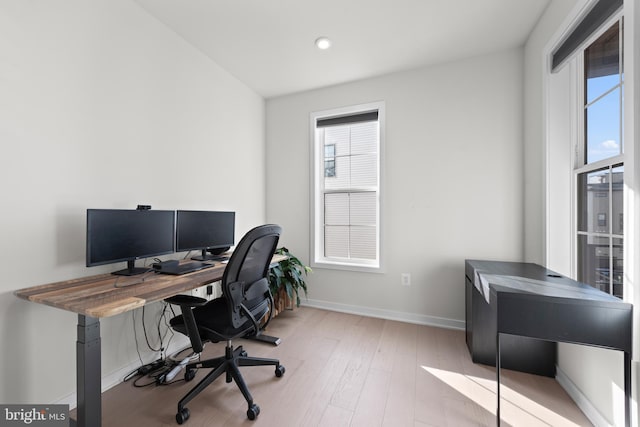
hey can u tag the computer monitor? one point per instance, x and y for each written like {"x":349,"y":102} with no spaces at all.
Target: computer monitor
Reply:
{"x":116,"y":235}
{"x":211,"y":231}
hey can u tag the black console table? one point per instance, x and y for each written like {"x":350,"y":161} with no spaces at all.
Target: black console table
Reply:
{"x":516,"y":312}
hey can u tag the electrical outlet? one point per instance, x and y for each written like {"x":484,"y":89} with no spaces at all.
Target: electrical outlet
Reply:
{"x":405,"y":279}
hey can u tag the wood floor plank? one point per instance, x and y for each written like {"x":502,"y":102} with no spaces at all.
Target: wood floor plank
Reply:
{"x":400,"y":406}
{"x":371,"y":406}
{"x":349,"y":370}
{"x":359,"y":350}
{"x":335,"y":416}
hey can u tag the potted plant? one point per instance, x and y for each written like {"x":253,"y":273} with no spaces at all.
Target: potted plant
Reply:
{"x":286,"y":280}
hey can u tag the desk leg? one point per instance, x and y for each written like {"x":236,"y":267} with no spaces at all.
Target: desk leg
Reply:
{"x":627,"y":389}
{"x":88,"y":372}
{"x":498,"y":377}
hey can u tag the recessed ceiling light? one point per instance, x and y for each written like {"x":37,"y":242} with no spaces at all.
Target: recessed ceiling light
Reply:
{"x":323,"y":43}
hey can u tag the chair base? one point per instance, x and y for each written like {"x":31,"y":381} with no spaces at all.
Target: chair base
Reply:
{"x":265,"y":338}
{"x":227,"y":364}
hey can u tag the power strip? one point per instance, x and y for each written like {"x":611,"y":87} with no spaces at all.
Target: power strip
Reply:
{"x":150,"y":367}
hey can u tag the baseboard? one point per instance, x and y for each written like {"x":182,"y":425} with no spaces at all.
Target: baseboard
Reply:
{"x":419,"y":319}
{"x":117,"y":377}
{"x":581,"y":400}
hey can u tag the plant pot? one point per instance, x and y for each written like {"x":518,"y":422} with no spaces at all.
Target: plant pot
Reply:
{"x":281,"y":302}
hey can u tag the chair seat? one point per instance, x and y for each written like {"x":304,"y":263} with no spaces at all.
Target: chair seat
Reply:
{"x":213,"y":321}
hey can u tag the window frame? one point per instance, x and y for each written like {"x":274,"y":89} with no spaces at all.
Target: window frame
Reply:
{"x":316,"y":256}
{"x":580,"y":165}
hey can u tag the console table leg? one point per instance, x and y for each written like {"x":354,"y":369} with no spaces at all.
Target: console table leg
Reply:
{"x":498,"y":377}
{"x":88,"y":372}
{"x":627,"y":389}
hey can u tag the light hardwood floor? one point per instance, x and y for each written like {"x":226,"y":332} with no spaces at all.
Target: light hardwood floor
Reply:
{"x":349,"y":370}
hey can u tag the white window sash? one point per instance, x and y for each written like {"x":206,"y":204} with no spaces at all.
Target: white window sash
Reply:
{"x":318,"y":192}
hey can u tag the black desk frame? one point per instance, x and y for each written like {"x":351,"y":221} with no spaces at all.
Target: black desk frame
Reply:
{"x":583,"y":334}
{"x":88,"y":372}
{"x":562,"y":311}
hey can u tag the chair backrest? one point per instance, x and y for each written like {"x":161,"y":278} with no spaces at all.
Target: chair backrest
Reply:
{"x":245,"y":280}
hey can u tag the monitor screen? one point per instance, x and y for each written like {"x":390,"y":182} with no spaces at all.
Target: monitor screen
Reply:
{"x":115,"y":235}
{"x":204,"y":230}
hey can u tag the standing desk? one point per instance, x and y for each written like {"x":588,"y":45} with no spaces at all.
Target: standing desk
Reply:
{"x":527,"y":300}
{"x":106,"y":295}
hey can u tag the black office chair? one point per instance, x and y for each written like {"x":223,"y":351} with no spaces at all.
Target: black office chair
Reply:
{"x":245,"y":301}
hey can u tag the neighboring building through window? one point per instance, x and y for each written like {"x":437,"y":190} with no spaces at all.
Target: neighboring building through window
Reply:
{"x":346,"y":210}
{"x":330,"y":160}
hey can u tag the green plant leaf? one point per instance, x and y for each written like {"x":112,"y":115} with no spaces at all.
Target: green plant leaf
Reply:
{"x":289,"y":275}
{"x":289,"y":289}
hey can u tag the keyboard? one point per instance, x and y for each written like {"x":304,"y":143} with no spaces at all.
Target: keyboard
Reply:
{"x":188,"y":267}
{"x":212,"y":258}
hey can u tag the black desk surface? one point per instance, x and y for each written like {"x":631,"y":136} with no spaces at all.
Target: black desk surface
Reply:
{"x":530,"y":278}
{"x":539,"y":303}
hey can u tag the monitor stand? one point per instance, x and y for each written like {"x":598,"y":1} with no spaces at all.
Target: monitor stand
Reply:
{"x":131,"y":270}
{"x":206,"y":257}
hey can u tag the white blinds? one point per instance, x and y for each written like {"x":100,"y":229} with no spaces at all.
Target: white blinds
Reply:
{"x":350,"y":190}
{"x":601,"y":11}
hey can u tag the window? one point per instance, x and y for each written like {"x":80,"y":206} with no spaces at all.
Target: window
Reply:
{"x":330,"y":160}
{"x":602,"y":220}
{"x":346,"y":160}
{"x":600,"y":164}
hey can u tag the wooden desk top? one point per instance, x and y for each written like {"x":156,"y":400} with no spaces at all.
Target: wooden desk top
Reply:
{"x":106,"y":295}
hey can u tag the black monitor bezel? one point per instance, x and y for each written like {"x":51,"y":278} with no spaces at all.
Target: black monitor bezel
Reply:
{"x":204,"y":247}
{"x":130,"y":260}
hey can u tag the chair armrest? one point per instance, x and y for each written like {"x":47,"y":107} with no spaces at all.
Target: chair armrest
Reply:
{"x":189,"y":300}
{"x":187,"y":303}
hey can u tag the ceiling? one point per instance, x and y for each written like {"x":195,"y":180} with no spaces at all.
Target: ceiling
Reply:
{"x":269,"y":44}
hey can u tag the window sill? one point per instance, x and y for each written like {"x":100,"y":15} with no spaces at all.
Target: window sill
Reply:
{"x":345,"y":266}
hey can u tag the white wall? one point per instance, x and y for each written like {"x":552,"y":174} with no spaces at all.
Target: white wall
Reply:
{"x":534,"y":128}
{"x":453,"y":180}
{"x":101,"y":106}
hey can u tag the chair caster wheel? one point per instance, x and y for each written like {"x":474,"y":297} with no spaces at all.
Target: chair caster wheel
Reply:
{"x":189,"y":374}
{"x":243,"y":353}
{"x":253,"y":412}
{"x":279,"y":371}
{"x":182,"y":416}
